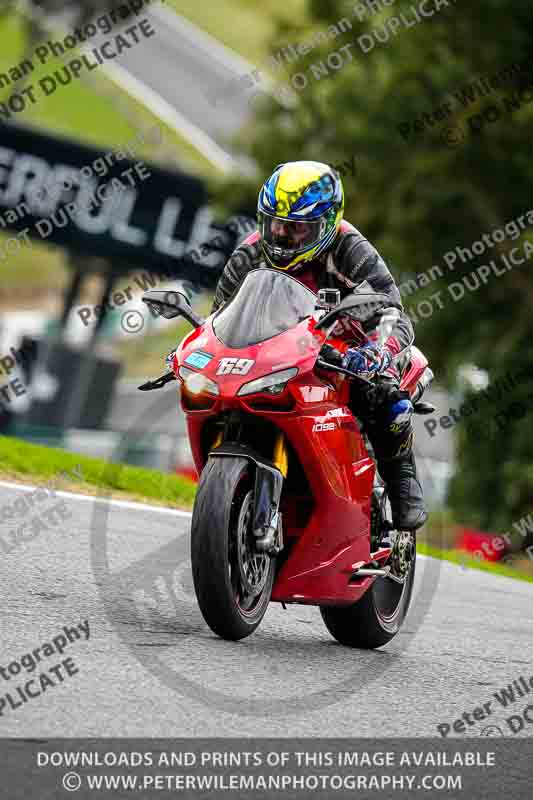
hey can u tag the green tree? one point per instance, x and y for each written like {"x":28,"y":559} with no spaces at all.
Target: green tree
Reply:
{"x":422,"y":190}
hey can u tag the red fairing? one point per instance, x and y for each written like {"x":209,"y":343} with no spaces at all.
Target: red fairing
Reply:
{"x":326,"y":511}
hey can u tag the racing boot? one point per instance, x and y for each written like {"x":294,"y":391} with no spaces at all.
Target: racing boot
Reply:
{"x":404,"y":491}
{"x":393,"y":448}
{"x":390,"y":431}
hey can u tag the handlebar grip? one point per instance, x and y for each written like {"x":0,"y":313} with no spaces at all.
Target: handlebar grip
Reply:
{"x":331,"y":355}
{"x":326,"y":365}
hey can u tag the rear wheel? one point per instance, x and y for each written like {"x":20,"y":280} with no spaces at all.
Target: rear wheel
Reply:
{"x":232,"y":581}
{"x":378,"y":616}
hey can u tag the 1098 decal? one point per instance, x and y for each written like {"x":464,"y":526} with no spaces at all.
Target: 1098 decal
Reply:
{"x":323,"y":426}
{"x":235,"y":366}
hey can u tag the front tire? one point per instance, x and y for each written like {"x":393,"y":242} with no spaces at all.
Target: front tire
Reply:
{"x":377,"y":617}
{"x":233,"y":583}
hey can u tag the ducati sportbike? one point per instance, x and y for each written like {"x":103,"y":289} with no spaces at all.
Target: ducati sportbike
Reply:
{"x":289,"y":508}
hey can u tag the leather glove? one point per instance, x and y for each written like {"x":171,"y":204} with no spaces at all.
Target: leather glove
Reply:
{"x":370,"y":358}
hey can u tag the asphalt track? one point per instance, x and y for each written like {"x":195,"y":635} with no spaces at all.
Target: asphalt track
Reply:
{"x":151,"y":667}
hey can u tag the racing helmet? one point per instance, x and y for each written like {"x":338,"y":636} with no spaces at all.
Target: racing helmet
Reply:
{"x":299,"y":212}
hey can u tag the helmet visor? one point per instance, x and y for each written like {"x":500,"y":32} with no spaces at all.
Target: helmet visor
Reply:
{"x":288,"y":237}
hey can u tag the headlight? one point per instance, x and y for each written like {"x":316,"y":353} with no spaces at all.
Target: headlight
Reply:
{"x":196,"y":383}
{"x":273,"y":384}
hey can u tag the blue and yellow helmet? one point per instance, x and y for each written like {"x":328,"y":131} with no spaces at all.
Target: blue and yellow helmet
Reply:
{"x":299,"y":211}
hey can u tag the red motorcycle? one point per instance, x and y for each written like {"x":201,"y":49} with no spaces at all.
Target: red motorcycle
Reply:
{"x":288,"y":508}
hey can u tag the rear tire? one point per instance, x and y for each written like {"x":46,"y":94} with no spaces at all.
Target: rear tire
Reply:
{"x":376,"y":618}
{"x":233,"y":584}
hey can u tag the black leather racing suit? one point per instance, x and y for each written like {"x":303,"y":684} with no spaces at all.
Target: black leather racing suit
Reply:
{"x":351,"y":260}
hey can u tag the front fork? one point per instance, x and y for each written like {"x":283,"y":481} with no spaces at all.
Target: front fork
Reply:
{"x":281,"y":454}
{"x":269,"y":479}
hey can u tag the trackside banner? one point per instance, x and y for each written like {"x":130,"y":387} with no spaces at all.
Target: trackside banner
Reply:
{"x":110,"y":204}
{"x":267,"y":768}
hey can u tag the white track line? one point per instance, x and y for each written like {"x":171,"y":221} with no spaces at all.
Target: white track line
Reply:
{"x":213,"y":48}
{"x":198,"y":138}
{"x":175,"y":512}
{"x":121,"y":504}
{"x":146,"y":96}
{"x":202,"y":40}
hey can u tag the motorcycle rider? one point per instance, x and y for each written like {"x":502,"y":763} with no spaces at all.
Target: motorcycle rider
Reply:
{"x":301,"y":231}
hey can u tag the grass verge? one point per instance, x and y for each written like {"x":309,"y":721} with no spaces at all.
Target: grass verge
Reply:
{"x":461,"y":558}
{"x":21,"y":461}
{"x":245,"y":26}
{"x":95,"y":111}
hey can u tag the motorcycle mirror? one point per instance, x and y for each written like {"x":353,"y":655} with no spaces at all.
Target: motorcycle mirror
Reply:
{"x":361,"y":306}
{"x":170,"y":304}
{"x":389,"y":317}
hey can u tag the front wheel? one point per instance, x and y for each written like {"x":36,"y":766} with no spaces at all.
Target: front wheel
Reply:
{"x":232,"y":581}
{"x":378,"y":616}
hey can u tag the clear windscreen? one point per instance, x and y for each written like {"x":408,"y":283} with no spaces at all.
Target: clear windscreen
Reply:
{"x":266,"y":304}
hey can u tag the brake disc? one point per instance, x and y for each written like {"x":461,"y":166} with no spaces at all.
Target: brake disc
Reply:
{"x":403,"y":553}
{"x":253,"y":566}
